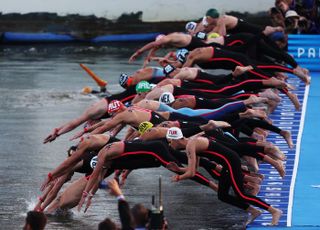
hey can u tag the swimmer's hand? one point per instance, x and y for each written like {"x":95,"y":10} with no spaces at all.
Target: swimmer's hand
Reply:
{"x":85,"y":195}
{"x":52,"y":136}
{"x":134,"y":57}
{"x":77,"y":135}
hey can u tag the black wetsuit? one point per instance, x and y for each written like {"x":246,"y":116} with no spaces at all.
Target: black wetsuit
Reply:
{"x":231,"y":176}
{"x":196,"y":43}
{"x":154,"y":152}
{"x":256,"y":48}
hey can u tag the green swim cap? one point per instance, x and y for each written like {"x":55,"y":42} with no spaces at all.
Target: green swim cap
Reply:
{"x":212,"y":13}
{"x":142,"y":87}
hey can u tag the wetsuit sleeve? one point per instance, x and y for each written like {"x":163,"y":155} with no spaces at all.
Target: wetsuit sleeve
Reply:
{"x":125,"y":215}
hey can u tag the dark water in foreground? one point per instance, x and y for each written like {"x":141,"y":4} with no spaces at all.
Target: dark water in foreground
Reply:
{"x":39,"y":90}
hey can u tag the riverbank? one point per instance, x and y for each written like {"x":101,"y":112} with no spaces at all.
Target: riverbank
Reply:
{"x":87,"y":27}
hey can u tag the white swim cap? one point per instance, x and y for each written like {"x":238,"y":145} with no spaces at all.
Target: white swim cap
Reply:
{"x":174,"y":133}
{"x":166,"y":98}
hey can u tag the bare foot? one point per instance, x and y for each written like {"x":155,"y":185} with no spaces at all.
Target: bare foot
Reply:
{"x":172,"y":166}
{"x":301,"y":73}
{"x":281,"y":76}
{"x":253,"y":113}
{"x":276,"y":83}
{"x":280,"y":168}
{"x":253,"y":214}
{"x":254,"y":99}
{"x":255,"y":189}
{"x":252,"y":179}
{"x":275,"y":152}
{"x":294,"y":99}
{"x":213,"y":185}
{"x":268,"y":93}
{"x":239,"y":70}
{"x":287,"y":136}
{"x":276,"y":214}
{"x":215,"y":124}
{"x":258,"y":137}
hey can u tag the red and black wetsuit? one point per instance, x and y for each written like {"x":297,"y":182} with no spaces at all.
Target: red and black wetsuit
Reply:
{"x":231,"y":176}
{"x":225,"y":59}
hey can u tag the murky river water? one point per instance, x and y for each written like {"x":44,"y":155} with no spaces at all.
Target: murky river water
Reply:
{"x":39,"y":90}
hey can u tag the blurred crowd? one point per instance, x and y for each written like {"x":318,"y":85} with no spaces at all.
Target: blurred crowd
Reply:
{"x":295,"y":17}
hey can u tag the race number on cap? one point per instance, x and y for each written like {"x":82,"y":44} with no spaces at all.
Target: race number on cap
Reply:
{"x":166,"y":98}
{"x":174,"y":133}
{"x":94,"y":162}
{"x":168,"y":69}
{"x":114,"y":106}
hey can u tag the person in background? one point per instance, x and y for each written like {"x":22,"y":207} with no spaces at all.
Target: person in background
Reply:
{"x":35,"y":221}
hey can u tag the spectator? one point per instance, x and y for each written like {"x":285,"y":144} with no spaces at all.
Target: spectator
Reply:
{"x":107,"y":224}
{"x":291,"y":22}
{"x":140,"y":215}
{"x":35,"y":221}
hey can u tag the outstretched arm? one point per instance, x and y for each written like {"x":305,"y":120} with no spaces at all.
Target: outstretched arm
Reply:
{"x":192,"y":162}
{"x":93,"y":112}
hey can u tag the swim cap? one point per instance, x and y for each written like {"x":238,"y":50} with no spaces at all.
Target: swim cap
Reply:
{"x":212,"y":13}
{"x":142,"y":87}
{"x":86,"y":90}
{"x":168,"y":69}
{"x":213,"y":35}
{"x":123,"y":79}
{"x":144,"y":126}
{"x":181,"y":55}
{"x":71,"y":149}
{"x":94,"y":162}
{"x":201,"y":35}
{"x":191,"y":26}
{"x":166,"y":98}
{"x":114,"y":106}
{"x":174,"y":133}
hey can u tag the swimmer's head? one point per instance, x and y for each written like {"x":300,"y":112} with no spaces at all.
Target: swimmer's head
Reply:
{"x":182,"y":54}
{"x":213,"y":35}
{"x":166,"y":98}
{"x":191,"y":26}
{"x":174,"y":133}
{"x":71,"y":150}
{"x":125,"y":81}
{"x":211,"y":18}
{"x":143,"y":87}
{"x":144,"y":126}
{"x":213,"y":13}
{"x":86,"y":90}
{"x":175,"y":138}
{"x":114,"y":106}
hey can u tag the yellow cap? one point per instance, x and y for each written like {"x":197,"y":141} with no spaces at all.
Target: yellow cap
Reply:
{"x":144,"y":126}
{"x":86,"y":90}
{"x":213,"y":35}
